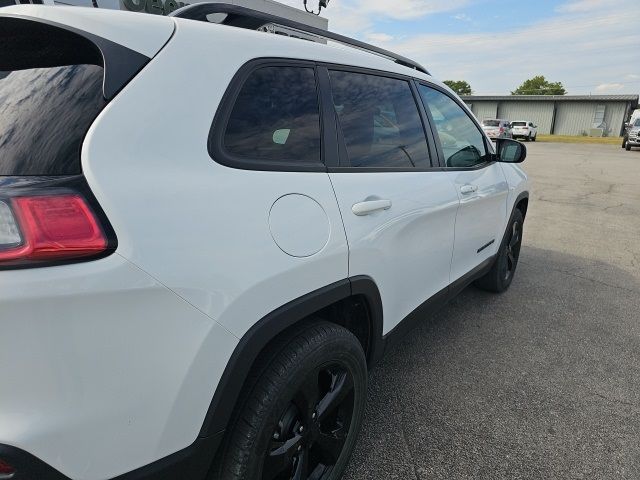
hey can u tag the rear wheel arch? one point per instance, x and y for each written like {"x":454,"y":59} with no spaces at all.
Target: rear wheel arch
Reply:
{"x":353,"y":303}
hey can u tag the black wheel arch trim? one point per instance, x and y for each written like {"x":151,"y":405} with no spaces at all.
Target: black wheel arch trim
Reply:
{"x":273,"y":324}
{"x":522,"y":196}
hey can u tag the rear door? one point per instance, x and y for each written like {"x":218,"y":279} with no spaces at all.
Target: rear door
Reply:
{"x":480,"y":183}
{"x":397,"y":210}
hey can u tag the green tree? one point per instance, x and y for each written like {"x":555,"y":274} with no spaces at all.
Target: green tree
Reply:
{"x":539,"y":85}
{"x":461,"y":87}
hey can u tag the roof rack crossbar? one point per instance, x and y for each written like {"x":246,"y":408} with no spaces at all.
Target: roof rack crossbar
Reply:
{"x":252,"y":19}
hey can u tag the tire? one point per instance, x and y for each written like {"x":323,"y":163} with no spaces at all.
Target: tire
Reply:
{"x":624,"y":142}
{"x":501,"y":274}
{"x":627,"y":146}
{"x":302,"y":412}
{"x":528,"y":139}
{"x":535,"y":137}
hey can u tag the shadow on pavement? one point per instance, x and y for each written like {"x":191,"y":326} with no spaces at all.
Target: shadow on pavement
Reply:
{"x":540,"y":382}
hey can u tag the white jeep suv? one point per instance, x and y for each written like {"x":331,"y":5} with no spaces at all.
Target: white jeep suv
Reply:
{"x":208,"y":235}
{"x":524,"y":129}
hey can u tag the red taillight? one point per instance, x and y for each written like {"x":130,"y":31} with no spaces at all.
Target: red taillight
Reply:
{"x":6,"y":470}
{"x":51,"y":227}
{"x":501,"y":129}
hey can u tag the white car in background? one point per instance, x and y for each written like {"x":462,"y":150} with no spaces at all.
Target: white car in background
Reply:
{"x":524,"y":129}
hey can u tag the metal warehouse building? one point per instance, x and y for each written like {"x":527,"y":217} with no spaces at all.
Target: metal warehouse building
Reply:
{"x":559,"y":114}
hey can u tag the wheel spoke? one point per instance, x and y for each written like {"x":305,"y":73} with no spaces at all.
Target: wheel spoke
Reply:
{"x":515,"y":235}
{"x":280,"y":457}
{"x":341,"y":386}
{"x":310,"y":394}
{"x":331,"y":444}
{"x":302,"y":463}
{"x":511,"y":259}
{"x":310,"y":436}
{"x":319,"y":472}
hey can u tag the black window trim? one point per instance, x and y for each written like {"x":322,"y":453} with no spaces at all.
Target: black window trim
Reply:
{"x":342,"y":165}
{"x":332,"y":148}
{"x":487,"y":143}
{"x":221,"y":119}
{"x":120,"y":63}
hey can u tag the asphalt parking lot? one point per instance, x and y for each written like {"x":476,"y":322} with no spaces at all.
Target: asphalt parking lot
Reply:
{"x":543,"y":381}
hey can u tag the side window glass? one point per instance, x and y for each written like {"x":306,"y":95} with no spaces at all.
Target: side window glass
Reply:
{"x":380,"y":121}
{"x":276,"y":117}
{"x":461,"y":140}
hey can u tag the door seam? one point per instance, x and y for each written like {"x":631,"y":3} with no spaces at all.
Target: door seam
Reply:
{"x":344,"y":227}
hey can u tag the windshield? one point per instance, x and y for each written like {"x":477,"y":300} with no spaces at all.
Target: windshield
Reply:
{"x":491,"y":123}
{"x":50,"y":94}
{"x":519,"y":124}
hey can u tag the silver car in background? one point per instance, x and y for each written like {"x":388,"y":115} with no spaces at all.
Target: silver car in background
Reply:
{"x":633,"y":135}
{"x":497,"y":128}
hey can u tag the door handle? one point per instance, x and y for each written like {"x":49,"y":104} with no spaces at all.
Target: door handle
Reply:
{"x":467,"y":189}
{"x":370,"y":206}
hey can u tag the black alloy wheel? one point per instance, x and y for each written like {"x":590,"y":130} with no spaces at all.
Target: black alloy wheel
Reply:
{"x":499,"y":278}
{"x":300,"y":412}
{"x":512,"y":250}
{"x":312,"y":431}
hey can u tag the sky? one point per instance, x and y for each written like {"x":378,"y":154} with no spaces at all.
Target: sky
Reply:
{"x":591,"y":46}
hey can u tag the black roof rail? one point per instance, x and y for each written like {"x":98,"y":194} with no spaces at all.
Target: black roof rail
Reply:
{"x":243,"y":17}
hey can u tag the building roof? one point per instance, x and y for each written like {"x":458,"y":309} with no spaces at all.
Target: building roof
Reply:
{"x":552,"y":98}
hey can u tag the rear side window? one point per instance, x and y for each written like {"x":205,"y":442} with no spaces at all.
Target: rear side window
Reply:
{"x":50,"y":94}
{"x":276,"y":118}
{"x":380,"y":121}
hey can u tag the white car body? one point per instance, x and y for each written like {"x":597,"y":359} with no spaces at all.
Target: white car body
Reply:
{"x":524,"y":129}
{"x":110,"y":365}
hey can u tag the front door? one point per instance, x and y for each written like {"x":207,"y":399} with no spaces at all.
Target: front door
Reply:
{"x":480,"y":183}
{"x":398,"y":212}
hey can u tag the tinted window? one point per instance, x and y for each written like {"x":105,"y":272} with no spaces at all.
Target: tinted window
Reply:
{"x":491,"y":123}
{"x":380,"y":121}
{"x":276,"y":117}
{"x":50,"y":94}
{"x":461,"y":140}
{"x":519,"y":124}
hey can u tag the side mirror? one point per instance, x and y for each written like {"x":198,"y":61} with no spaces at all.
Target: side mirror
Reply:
{"x":510,"y":151}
